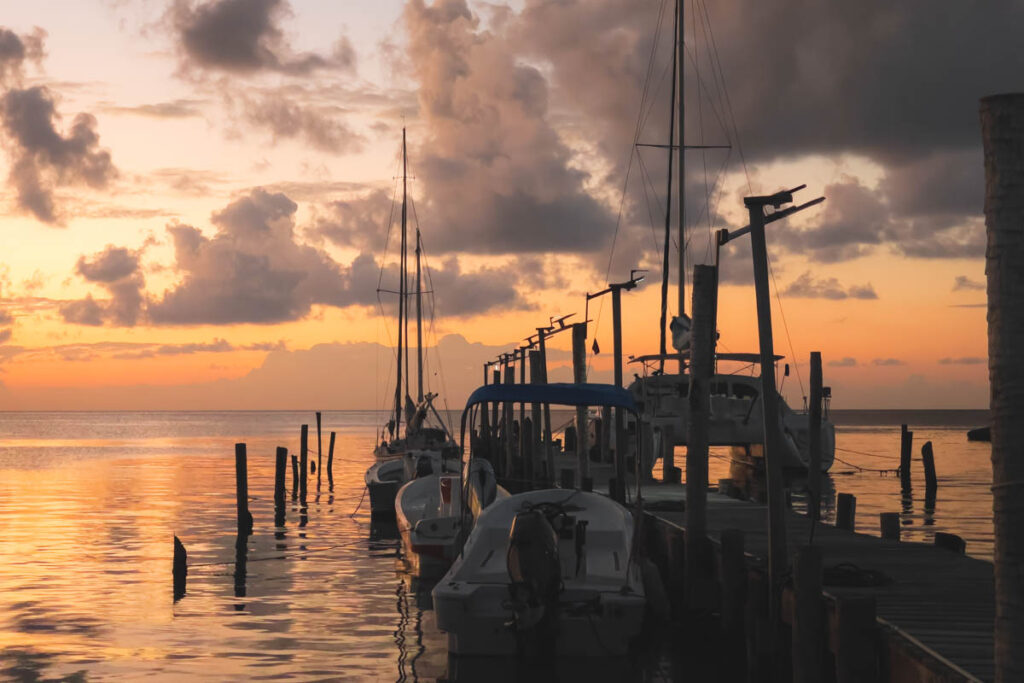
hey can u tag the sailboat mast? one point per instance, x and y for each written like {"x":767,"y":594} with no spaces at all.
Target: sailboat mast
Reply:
{"x":419,"y":322}
{"x":668,"y":201}
{"x":681,"y":95}
{"x":401,"y":302}
{"x":405,"y":257}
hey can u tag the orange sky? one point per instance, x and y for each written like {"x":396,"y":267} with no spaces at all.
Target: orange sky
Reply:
{"x":240,"y":218}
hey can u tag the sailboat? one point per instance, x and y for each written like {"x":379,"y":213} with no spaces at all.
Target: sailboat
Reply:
{"x":737,"y":400}
{"x":426,"y":446}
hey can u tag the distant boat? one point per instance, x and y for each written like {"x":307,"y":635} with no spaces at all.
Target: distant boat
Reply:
{"x":426,"y":444}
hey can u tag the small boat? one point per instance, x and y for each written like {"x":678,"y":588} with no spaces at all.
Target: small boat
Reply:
{"x":979,"y":434}
{"x":401,"y":457}
{"x":552,"y":571}
{"x":431,"y":518}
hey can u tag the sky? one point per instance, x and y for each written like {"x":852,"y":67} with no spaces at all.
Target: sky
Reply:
{"x":197,"y":195}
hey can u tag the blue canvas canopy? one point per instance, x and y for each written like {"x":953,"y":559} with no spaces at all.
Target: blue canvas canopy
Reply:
{"x":554,"y":394}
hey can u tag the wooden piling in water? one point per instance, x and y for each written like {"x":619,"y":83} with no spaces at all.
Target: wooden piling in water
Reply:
{"x":541,"y":474}
{"x":242,"y":490}
{"x":906,"y":448}
{"x":319,"y":450}
{"x":951,"y":542}
{"x":702,"y":350}
{"x":303,"y":461}
{"x":808,"y":616}
{"x":510,"y":471}
{"x":846,"y":511}
{"x":180,"y":569}
{"x":579,"y":375}
{"x":280,"y":470}
{"x":856,"y":646}
{"x":330,"y":459}
{"x":734,"y":582}
{"x":814,"y":439}
{"x":295,"y":477}
{"x":928,"y":458}
{"x":890,"y":525}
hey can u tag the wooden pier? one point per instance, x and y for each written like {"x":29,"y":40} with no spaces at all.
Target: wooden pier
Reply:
{"x":934,"y":609}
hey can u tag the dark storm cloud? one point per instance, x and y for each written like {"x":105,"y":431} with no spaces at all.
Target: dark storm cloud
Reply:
{"x":43,"y":158}
{"x":117,"y":270}
{"x":496,"y":175}
{"x":462,"y":294}
{"x":807,"y":287}
{"x":357,"y":222}
{"x":244,"y":36}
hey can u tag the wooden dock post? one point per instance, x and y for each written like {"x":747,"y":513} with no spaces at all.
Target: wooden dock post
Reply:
{"x":814,"y":439}
{"x":303,"y":461}
{"x":808,"y":616}
{"x":280,"y":469}
{"x":846,"y":511}
{"x":549,"y":455}
{"x":618,"y":492}
{"x":295,"y":477}
{"x":510,"y":471}
{"x":319,"y":451}
{"x":856,"y":651}
{"x":242,"y":490}
{"x":906,"y":448}
{"x":541,"y":471}
{"x":579,"y":376}
{"x":1002,"y":133}
{"x":951,"y":542}
{"x":330,"y":459}
{"x":890,"y":525}
{"x":180,"y":569}
{"x":734,"y":582}
{"x":928,"y":458}
{"x":702,"y":354}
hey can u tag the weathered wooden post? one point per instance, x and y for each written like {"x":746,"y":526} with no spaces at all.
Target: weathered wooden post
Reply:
{"x":330,"y":459}
{"x":549,"y":455}
{"x":702,"y":351}
{"x":495,"y":419}
{"x":734,"y":602}
{"x":856,"y":651}
{"x":280,"y":469}
{"x":906,"y":448}
{"x":536,"y":420}
{"x":242,"y":490}
{"x":1002,"y":132}
{"x":303,"y":461}
{"x":808,"y":616}
{"x":180,"y":569}
{"x":510,"y":378}
{"x":618,"y":492}
{"x":890,"y":525}
{"x":814,"y":439}
{"x":579,"y":374}
{"x":295,"y":477}
{"x":931,"y":484}
{"x":846,"y":511}
{"x":319,"y":451}
{"x":523,"y":446}
{"x":951,"y":542}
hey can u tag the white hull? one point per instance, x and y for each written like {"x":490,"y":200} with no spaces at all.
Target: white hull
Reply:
{"x":599,"y":610}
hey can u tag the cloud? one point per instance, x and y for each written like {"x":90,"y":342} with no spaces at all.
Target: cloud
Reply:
{"x":15,"y":50}
{"x":321,"y":127}
{"x":355,"y":222}
{"x":966,"y":284}
{"x":965,"y":360}
{"x":243,"y":37}
{"x":806,"y":287}
{"x":117,"y":270}
{"x":496,"y":176}
{"x":43,"y":158}
{"x":171,"y":109}
{"x":218,"y":345}
{"x":887,"y":362}
{"x":846,"y":362}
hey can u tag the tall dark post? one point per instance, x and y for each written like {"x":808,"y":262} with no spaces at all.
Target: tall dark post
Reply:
{"x":330,"y":460}
{"x":510,"y":378}
{"x":495,"y":420}
{"x":579,"y":375}
{"x":303,"y":461}
{"x":522,"y":413}
{"x":242,"y":491}
{"x":777,"y":555}
{"x":663,"y":326}
{"x":814,"y":439}
{"x":702,"y":352}
{"x":549,"y":456}
{"x":620,"y":432}
{"x":402,"y":315}
{"x":906,"y":448}
{"x":319,"y":450}
{"x":280,"y":469}
{"x":536,"y":416}
{"x":295,"y":477}
{"x":419,"y":324}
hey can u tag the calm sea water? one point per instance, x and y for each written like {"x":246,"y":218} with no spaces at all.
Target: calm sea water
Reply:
{"x":89,"y":503}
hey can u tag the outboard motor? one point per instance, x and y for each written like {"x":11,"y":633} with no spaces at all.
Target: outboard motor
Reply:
{"x":534,"y":568}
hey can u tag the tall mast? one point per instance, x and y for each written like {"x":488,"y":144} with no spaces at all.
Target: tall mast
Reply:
{"x":405,"y":257}
{"x":419,"y":322}
{"x":401,"y":301}
{"x":681,"y":94}
{"x":668,"y":201}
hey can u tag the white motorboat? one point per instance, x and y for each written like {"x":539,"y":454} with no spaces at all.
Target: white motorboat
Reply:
{"x":552,"y":571}
{"x":432,"y":519}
